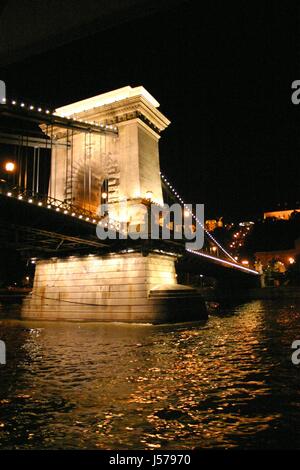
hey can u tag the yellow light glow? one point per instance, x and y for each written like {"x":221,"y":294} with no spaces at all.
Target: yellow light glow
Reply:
{"x":136,"y":194}
{"x":291,"y":260}
{"x":10,"y":167}
{"x":149,"y":195}
{"x":245,"y":262}
{"x":104,"y":195}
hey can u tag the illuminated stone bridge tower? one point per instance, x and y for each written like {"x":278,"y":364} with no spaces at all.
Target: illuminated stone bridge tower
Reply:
{"x":123,"y":165}
{"x":125,"y":287}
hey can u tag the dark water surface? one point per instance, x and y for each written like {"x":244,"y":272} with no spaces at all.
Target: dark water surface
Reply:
{"x":225,"y":383}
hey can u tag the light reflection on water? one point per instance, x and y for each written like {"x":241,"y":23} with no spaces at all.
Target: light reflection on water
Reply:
{"x":228,"y":382}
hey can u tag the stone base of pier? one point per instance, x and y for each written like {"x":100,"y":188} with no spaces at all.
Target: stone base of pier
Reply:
{"x":115,"y":288}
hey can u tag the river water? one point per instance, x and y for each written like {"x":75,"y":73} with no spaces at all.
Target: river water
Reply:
{"x":225,"y":383}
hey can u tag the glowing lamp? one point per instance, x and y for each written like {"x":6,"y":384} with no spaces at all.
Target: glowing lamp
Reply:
{"x":104,"y":195}
{"x":149,"y":195}
{"x":10,"y":167}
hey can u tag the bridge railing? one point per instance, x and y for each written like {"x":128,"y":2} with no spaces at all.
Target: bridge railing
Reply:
{"x":44,"y":200}
{"x":73,"y":210}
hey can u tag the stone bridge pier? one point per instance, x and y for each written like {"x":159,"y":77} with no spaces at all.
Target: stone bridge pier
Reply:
{"x":98,"y":168}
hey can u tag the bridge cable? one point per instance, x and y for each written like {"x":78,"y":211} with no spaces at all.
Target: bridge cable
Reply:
{"x":177,"y":195}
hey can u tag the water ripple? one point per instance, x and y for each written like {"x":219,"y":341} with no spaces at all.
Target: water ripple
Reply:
{"x":228,"y":383}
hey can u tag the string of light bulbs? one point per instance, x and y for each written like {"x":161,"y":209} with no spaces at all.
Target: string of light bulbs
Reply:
{"x":175,"y":192}
{"x":36,"y":200}
{"x":38,"y":109}
{"x":223,"y":261}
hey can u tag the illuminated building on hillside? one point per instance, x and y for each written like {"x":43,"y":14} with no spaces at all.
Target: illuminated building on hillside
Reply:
{"x":281,"y":214}
{"x":212,"y":224}
{"x":286,"y":257}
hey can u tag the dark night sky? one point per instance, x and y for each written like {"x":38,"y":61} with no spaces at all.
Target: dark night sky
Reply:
{"x":222,"y":73}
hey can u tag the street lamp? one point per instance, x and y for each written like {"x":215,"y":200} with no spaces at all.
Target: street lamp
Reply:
{"x":10,"y":167}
